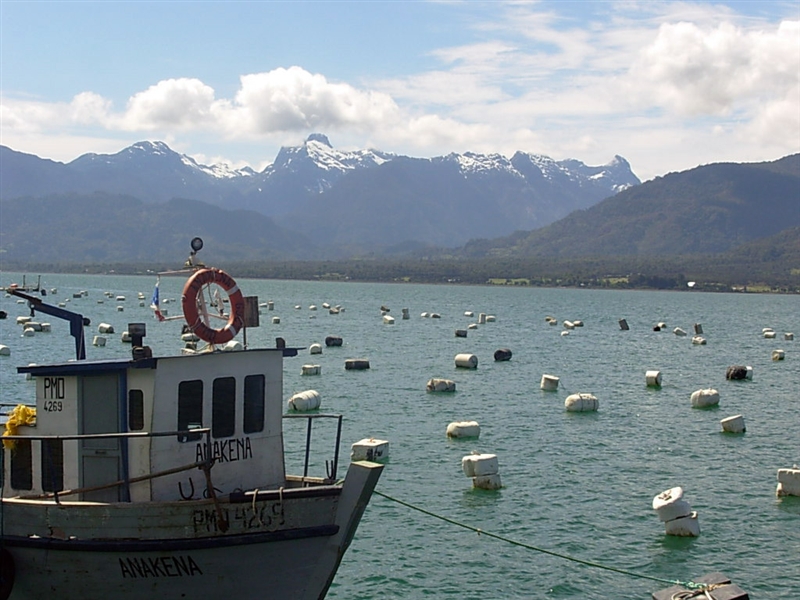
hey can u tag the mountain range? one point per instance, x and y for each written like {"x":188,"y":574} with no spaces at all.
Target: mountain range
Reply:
{"x":340,"y":202}
{"x":317,"y":203}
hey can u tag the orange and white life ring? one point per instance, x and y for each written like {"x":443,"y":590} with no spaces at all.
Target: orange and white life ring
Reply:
{"x":191,"y":294}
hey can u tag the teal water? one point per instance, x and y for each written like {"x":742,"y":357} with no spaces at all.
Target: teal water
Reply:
{"x":575,"y":484}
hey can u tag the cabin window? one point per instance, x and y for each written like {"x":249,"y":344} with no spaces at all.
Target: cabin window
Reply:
{"x":253,"y":403}
{"x":21,"y":466}
{"x":190,"y":408}
{"x":223,"y":407}
{"x":135,"y":410}
{"x":52,"y":465}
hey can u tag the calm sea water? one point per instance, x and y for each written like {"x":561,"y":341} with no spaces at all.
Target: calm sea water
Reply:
{"x":576,"y":484}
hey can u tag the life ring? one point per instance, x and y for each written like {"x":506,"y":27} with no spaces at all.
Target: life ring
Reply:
{"x":7,"y":571}
{"x":192,"y":291}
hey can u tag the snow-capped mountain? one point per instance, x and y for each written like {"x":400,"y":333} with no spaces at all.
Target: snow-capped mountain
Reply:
{"x":360,"y":198}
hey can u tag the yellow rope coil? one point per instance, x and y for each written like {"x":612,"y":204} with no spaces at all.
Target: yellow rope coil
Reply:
{"x":21,"y":415}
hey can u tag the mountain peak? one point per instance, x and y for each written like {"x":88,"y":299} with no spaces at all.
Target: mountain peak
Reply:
{"x":319,"y":137}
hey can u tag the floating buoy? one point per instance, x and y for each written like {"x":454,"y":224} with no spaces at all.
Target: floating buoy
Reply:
{"x":120,"y":298}
{"x":469,"y":313}
{"x":326,"y":305}
{"x":623,"y":324}
{"x":739,"y":372}
{"x":705,"y":398}
{"x":406,"y":315}
{"x":5,"y":350}
{"x":356,"y":364}
{"x":698,"y":329}
{"x":270,"y":305}
{"x":788,"y":482}
{"x":99,"y":341}
{"x":125,"y":338}
{"x":676,"y":514}
{"x":502,"y":354}
{"x":788,"y":336}
{"x":698,"y":340}
{"x":569,"y":325}
{"x":436,"y":316}
{"x":578,"y":323}
{"x":189,"y":337}
{"x":46,"y":327}
{"x":276,"y":320}
{"x":491,"y":318}
{"x":388,"y":320}
{"x":483,"y":469}
{"x":551,"y":321}
{"x":472,"y":326}
{"x":333,"y":340}
{"x":370,"y":449}
{"x":33,"y":325}
{"x":28,"y":332}
{"x":24,"y":320}
{"x":436,"y":384}
{"x":481,"y":318}
{"x":311,"y":369}
{"x":462,"y":333}
{"x":315,"y":349}
{"x":312,"y":307}
{"x":778,"y":355}
{"x":466,"y":361}
{"x":307,"y":400}
{"x":105,"y":328}
{"x":679,"y":331}
{"x":661,"y":325}
{"x":425,"y":315}
{"x":734,"y":424}
{"x":653,"y":378}
{"x":564,"y":333}
{"x":464,"y":429}
{"x":549,"y":383}
{"x":581,"y":403}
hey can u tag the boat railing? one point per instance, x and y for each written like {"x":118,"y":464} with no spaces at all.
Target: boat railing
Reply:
{"x":126,"y":481}
{"x":331,"y":467}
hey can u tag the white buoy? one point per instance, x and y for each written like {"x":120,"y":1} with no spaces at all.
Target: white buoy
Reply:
{"x":472,"y":326}
{"x":307,"y":400}
{"x":436,"y":316}
{"x":120,"y":308}
{"x":581,"y":403}
{"x":388,"y":320}
{"x":653,"y":378}
{"x":189,"y":337}
{"x":105,"y":328}
{"x":676,"y":513}
{"x":276,"y":320}
{"x":5,"y":350}
{"x":232,"y":346}
{"x":425,"y":315}
{"x":734,"y":424}
{"x":661,"y":325}
{"x":687,"y":526}
{"x":788,"y":482}
{"x":770,"y":335}
{"x":28,"y":332}
{"x":311,"y":369}
{"x":705,"y":398}
{"x":466,"y":361}
{"x":481,"y":318}
{"x":461,"y":333}
{"x":578,"y":323}
{"x":99,"y":341}
{"x":120,"y":298}
{"x":778,"y":355}
{"x":491,"y":318}
{"x":436,"y":384}
{"x":370,"y":449}
{"x":564,"y":333}
{"x":698,"y":340}
{"x":569,"y":325}
{"x":356,"y":364}
{"x":476,"y":465}
{"x":464,"y":429}
{"x":549,"y":383}
{"x":788,"y":336}
{"x":670,"y":505}
{"x":312,"y":307}
{"x":270,"y":305}
{"x":24,"y":320}
{"x":487,"y":482}
{"x":469,"y":313}
{"x":315,"y":349}
{"x":125,"y":338}
{"x":33,"y":325}
{"x":678,"y":331}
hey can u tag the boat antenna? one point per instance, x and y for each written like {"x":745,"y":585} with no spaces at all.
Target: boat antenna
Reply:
{"x":191,"y":262}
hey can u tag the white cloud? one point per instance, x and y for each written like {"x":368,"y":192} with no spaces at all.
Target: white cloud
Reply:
{"x":171,"y":103}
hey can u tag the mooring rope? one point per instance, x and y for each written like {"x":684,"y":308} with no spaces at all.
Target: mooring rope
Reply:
{"x":686,"y":584}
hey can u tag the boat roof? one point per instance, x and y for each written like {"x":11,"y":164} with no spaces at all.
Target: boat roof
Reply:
{"x":76,"y":367}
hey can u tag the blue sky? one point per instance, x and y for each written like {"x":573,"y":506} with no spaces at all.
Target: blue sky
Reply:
{"x":667,"y":85}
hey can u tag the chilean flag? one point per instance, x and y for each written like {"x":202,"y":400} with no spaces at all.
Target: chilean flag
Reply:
{"x":154,"y":303}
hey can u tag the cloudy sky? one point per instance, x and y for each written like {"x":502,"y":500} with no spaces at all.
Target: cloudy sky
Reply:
{"x":667,"y":85}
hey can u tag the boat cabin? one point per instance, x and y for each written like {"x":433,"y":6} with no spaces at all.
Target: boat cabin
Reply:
{"x":164,"y":418}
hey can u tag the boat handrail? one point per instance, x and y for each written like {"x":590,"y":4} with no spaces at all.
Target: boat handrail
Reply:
{"x":330,"y":468}
{"x":121,"y":434}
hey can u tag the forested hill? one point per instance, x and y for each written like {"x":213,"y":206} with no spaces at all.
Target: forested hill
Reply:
{"x":709,"y":209}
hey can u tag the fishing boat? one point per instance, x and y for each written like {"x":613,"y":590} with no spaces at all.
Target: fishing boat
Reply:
{"x":165,"y":477}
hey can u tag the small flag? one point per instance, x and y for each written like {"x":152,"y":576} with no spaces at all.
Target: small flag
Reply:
{"x":154,"y":302}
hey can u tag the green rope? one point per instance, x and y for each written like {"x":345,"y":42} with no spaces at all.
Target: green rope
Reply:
{"x":686,"y":584}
